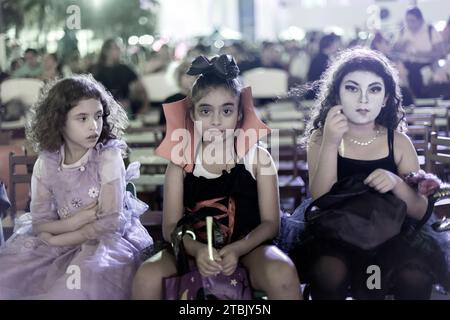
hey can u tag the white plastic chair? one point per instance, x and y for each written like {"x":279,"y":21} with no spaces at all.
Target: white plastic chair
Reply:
{"x":266,"y":83}
{"x":27,"y":90}
{"x":158,"y":86}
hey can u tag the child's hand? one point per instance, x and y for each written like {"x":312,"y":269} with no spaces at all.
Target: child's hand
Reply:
{"x":208,"y":267}
{"x":230,"y":258}
{"x":335,"y":126}
{"x":382,"y":180}
{"x":85,"y":215}
{"x":45,"y":236}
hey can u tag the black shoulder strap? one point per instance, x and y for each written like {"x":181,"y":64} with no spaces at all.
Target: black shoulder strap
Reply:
{"x":390,"y":134}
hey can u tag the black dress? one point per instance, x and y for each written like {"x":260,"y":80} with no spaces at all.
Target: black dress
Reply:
{"x":347,"y":167}
{"x":425,"y":250}
{"x":231,"y":198}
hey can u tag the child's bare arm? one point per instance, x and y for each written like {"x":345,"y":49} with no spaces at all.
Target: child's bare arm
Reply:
{"x":86,"y":230}
{"x":407,"y":161}
{"x":72,"y":238}
{"x":173,"y":199}
{"x":323,"y":151}
{"x":172,"y":213}
{"x":75,"y":222}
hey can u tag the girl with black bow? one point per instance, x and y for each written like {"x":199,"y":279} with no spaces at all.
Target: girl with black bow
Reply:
{"x":227,"y":176}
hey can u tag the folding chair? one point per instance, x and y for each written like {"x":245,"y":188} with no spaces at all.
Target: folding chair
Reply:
{"x":420,"y":137}
{"x":438,"y":156}
{"x":441,"y":115}
{"x":438,"y":162}
{"x":15,"y":178}
{"x":292,"y":170}
{"x":422,"y":119}
{"x":144,"y":137}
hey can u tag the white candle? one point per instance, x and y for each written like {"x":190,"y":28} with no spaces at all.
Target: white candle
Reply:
{"x":209,"y":222}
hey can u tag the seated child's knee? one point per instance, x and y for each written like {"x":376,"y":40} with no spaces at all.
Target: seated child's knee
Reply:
{"x":147,"y":271}
{"x":281,"y":271}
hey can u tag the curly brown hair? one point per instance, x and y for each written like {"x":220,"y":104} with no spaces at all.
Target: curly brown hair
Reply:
{"x":392,"y":116}
{"x":49,"y":115}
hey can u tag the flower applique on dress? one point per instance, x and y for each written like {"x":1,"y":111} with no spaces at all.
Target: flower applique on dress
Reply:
{"x":93,"y":192}
{"x":77,"y":203}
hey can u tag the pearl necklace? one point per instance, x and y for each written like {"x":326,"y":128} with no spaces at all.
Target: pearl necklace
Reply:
{"x":363,"y":144}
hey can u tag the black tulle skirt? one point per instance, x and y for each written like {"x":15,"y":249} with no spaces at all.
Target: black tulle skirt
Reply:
{"x":426,"y":249}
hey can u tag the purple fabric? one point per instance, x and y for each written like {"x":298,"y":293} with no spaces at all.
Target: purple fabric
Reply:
{"x":193,"y":286}
{"x":31,"y":268}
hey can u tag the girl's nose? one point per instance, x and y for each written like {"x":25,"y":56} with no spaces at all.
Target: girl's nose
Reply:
{"x":216,"y":119}
{"x":363,"y":98}
{"x":93,"y":126}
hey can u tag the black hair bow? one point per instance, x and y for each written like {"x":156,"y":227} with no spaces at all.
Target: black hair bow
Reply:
{"x":223,"y":66}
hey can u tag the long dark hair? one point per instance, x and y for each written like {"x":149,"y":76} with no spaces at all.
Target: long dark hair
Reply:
{"x":106,"y":46}
{"x":357,"y":59}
